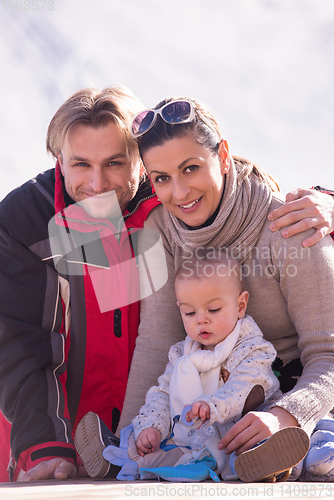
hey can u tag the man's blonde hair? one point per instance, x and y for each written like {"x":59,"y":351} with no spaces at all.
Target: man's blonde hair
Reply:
{"x":94,"y":108}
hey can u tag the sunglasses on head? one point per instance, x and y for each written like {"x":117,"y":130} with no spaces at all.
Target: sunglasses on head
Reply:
{"x":172,"y":112}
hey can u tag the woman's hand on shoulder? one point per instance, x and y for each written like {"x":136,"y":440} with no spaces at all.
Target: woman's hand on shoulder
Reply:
{"x":305,"y":209}
{"x":253,"y":428}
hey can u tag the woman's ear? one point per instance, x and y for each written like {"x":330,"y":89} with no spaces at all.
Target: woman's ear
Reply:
{"x":224,"y":156}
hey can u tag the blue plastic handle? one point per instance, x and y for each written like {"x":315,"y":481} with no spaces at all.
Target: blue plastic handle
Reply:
{"x":185,"y":410}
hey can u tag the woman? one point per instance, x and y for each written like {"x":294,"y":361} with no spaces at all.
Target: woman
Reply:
{"x":214,"y":200}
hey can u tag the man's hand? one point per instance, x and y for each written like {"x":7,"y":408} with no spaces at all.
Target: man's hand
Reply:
{"x":253,"y":427}
{"x":200,"y":409}
{"x":148,"y":441}
{"x":56,"y":468}
{"x":302,"y":210}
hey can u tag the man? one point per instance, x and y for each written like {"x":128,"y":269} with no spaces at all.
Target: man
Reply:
{"x":64,"y":348}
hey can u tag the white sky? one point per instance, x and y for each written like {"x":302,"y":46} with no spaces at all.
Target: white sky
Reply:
{"x":264,"y":66}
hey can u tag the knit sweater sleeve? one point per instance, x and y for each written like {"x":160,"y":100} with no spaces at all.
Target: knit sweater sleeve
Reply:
{"x":306,"y":280}
{"x":248,"y":365}
{"x":156,"y":410}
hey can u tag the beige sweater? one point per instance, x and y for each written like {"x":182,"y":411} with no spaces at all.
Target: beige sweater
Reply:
{"x":291,"y":299}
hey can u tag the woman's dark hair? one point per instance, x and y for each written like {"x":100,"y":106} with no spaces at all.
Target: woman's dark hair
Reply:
{"x":203,"y":127}
{"x":205,"y":130}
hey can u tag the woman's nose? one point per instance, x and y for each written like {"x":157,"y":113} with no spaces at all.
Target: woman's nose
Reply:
{"x":180,"y":190}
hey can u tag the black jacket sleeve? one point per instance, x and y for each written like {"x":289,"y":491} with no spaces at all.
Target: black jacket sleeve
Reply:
{"x":32,"y":353}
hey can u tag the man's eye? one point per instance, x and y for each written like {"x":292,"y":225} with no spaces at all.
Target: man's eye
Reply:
{"x":81,"y":164}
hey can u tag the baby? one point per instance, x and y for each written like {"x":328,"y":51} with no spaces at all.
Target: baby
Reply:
{"x":222,"y":368}
{"x":218,"y":373}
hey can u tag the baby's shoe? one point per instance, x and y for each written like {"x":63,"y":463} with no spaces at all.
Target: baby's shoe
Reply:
{"x":325,"y":424}
{"x":272,"y":459}
{"x":320,"y":459}
{"x":92,"y":436}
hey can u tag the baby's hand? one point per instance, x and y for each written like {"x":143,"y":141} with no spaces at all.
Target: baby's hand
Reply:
{"x":200,"y":409}
{"x":148,"y":441}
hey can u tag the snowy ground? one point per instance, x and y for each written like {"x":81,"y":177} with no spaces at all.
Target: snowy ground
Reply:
{"x":264,"y":66}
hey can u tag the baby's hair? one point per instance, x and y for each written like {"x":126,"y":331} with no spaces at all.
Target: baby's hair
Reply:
{"x":210,"y":261}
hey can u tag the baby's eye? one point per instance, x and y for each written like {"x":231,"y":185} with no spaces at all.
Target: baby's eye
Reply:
{"x":214,"y":310}
{"x":189,"y":313}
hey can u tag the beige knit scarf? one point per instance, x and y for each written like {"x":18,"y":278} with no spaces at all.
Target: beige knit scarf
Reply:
{"x":243,"y":211}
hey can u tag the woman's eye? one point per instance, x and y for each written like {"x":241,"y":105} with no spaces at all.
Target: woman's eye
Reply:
{"x":161,"y":178}
{"x":191,"y":168}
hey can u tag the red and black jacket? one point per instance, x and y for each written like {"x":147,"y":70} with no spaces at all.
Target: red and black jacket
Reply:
{"x":60,"y":356}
